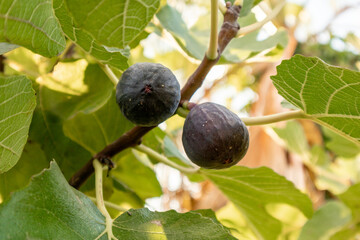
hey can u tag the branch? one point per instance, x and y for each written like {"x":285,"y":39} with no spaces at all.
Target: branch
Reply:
{"x":131,"y":138}
{"x":258,"y":25}
{"x":227,"y":32}
{"x":128,"y":139}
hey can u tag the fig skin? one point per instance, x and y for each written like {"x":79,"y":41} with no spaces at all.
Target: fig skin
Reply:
{"x":148,"y":94}
{"x":214,"y":137}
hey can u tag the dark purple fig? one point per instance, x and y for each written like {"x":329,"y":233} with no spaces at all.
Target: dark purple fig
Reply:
{"x":148,"y":94}
{"x":214,"y":137}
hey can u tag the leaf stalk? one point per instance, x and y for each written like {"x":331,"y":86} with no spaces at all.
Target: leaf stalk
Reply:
{"x":163,"y":159}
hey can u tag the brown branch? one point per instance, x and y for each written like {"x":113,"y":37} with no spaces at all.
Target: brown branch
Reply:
{"x":227,"y":32}
{"x":128,"y":139}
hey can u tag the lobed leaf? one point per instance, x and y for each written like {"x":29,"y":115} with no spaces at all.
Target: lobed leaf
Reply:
{"x":17,"y":103}
{"x":330,"y":95}
{"x":104,"y":29}
{"x":32,"y":24}
{"x":112,"y":23}
{"x":50,"y":209}
{"x":144,"y":224}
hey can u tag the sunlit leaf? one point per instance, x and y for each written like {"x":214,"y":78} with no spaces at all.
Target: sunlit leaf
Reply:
{"x":144,"y":224}
{"x":252,"y":189}
{"x":294,"y":137}
{"x":326,"y":221}
{"x":75,"y":87}
{"x":351,"y":200}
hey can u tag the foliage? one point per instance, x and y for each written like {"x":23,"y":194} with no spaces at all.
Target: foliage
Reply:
{"x":60,"y":60}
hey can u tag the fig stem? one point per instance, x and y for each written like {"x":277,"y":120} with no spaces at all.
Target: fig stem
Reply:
{"x":111,"y":75}
{"x":100,"y":200}
{"x":268,"y":119}
{"x":163,"y":159}
{"x":110,"y":205}
{"x":212,"y":52}
{"x":273,"y":118}
{"x":182,"y":112}
{"x":258,"y":25}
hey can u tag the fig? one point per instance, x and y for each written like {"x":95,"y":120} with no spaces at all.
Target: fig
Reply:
{"x":214,"y":137}
{"x":148,"y":94}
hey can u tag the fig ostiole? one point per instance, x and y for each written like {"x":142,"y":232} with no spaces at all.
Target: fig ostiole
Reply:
{"x":148,"y":94}
{"x":214,"y":137}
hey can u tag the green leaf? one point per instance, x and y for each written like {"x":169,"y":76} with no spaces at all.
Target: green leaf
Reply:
{"x":248,"y":5}
{"x":327,"y":220}
{"x":104,"y":29}
{"x":144,"y":224}
{"x":98,"y":129}
{"x":7,"y":47}
{"x":85,"y":90}
{"x":172,"y":21}
{"x":350,"y":233}
{"x":294,"y":137}
{"x":112,"y":56}
{"x":129,"y":168}
{"x":31,"y":24}
{"x":32,"y":161}
{"x":326,"y":93}
{"x":351,"y":199}
{"x":46,"y":129}
{"x":50,"y":209}
{"x":340,"y":145}
{"x":17,"y":103}
{"x":171,"y":151}
{"x":252,"y":189}
{"x":248,"y":46}
{"x":194,"y":41}
{"x":112,"y":23}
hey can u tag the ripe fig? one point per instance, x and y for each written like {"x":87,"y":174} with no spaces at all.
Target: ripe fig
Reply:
{"x":214,"y":137}
{"x":148,"y":94}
